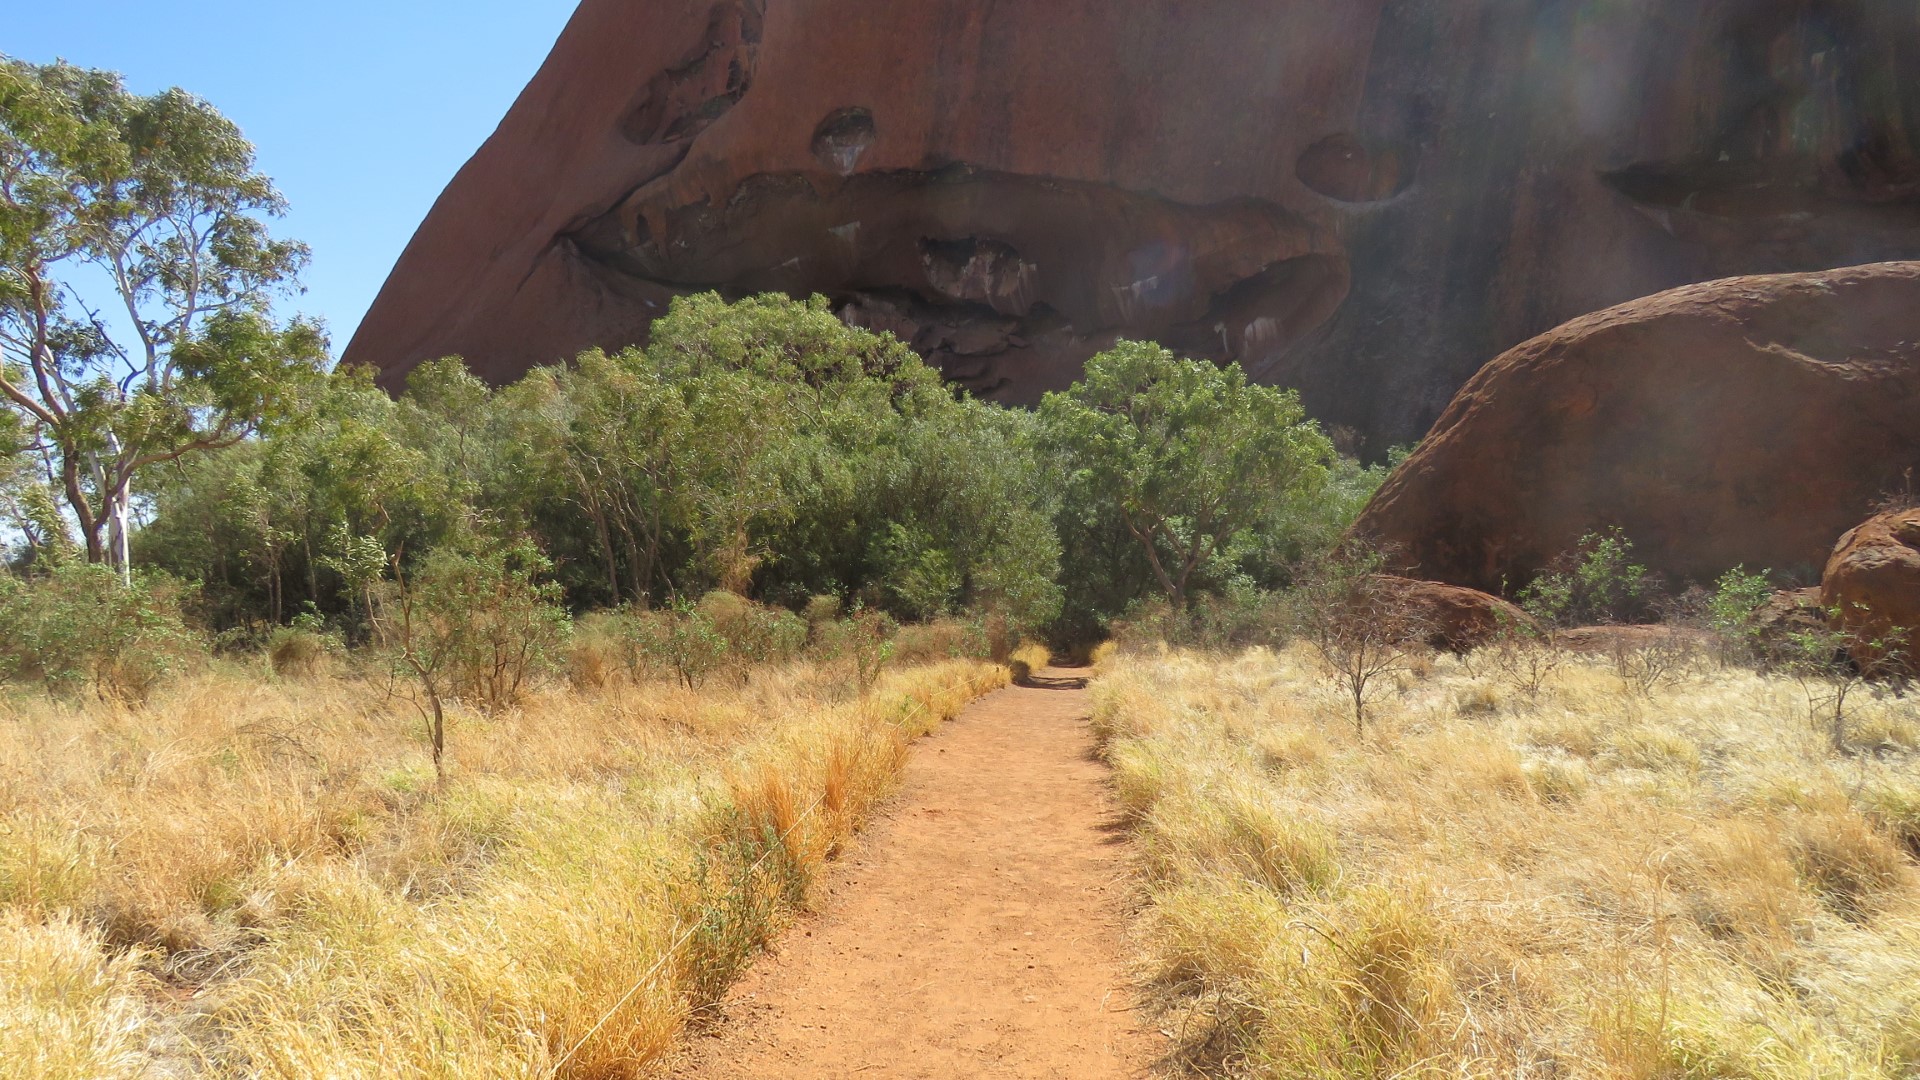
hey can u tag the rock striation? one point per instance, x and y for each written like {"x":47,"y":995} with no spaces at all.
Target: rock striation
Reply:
{"x":1744,"y":422}
{"x":1872,"y":589}
{"x":1362,"y":199}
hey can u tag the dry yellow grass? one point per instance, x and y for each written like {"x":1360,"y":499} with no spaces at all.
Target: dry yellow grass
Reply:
{"x":258,"y":877}
{"x":1028,"y":657}
{"x":1575,"y":883}
{"x":1102,"y":655}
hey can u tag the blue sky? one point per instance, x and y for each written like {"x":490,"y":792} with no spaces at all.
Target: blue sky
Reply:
{"x":362,"y":111}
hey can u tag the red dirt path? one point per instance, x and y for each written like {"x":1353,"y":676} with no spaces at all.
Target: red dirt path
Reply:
{"x":974,"y":932}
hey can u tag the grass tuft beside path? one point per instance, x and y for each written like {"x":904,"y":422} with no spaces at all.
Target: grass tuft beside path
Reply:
{"x":260,"y":878}
{"x":1586,"y":882}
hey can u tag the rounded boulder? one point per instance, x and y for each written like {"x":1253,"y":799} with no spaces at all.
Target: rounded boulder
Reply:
{"x":1742,"y":422}
{"x":1872,"y":587}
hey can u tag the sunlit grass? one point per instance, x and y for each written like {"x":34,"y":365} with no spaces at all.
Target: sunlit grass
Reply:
{"x":1578,"y":882}
{"x":67,"y":1008}
{"x":261,"y":877}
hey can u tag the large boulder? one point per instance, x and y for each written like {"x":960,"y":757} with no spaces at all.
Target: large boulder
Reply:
{"x":1454,"y":619}
{"x":1363,"y":199}
{"x":1744,"y":422}
{"x":1872,"y":586}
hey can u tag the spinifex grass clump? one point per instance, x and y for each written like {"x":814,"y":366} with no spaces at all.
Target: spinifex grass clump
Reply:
{"x":263,"y":878}
{"x":1579,"y":879}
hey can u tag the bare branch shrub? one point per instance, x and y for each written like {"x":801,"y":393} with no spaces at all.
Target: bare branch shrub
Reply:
{"x":478,"y":627}
{"x":1526,"y":656}
{"x":1821,"y":661}
{"x":1361,"y":623}
{"x":1646,"y":664}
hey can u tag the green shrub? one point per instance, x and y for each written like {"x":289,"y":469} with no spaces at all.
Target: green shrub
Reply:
{"x":679,"y":642}
{"x":918,"y":573}
{"x":480,"y":626}
{"x":80,"y":627}
{"x":822,"y":611}
{"x":1597,"y":582}
{"x":944,"y":639}
{"x":1734,"y":607}
{"x":1230,"y":621}
{"x":866,"y":640}
{"x":754,"y":633}
{"x":871,"y":644}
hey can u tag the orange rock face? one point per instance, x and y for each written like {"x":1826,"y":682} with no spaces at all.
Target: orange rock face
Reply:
{"x":1364,"y":199}
{"x":1744,"y":422}
{"x":1459,"y":620}
{"x":1873,"y":584}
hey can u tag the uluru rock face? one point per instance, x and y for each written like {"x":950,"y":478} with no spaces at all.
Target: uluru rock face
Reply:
{"x":1872,"y":585}
{"x":1746,"y":422}
{"x":1364,"y":199}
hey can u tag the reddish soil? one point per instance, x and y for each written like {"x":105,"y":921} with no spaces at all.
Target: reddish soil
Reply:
{"x":974,"y":932}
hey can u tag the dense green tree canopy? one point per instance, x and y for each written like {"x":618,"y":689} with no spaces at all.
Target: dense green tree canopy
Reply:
{"x":761,"y":447}
{"x":1185,"y":456}
{"x":156,"y":198}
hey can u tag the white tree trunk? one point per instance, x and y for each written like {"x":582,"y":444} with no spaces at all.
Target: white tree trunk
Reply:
{"x":121,"y":536}
{"x":119,"y":514}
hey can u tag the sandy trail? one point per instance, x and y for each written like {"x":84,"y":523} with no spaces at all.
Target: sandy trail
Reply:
{"x":974,"y":932}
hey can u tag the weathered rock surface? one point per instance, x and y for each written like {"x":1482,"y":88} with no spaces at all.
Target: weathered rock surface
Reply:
{"x":1788,"y":614}
{"x":1364,"y":199}
{"x":1626,"y":640}
{"x":1744,"y":422}
{"x":1872,"y":585}
{"x":1457,"y":620}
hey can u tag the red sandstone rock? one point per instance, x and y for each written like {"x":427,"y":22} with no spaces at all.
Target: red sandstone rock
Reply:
{"x":1744,"y":422}
{"x":1872,"y":586}
{"x":1458,"y":620}
{"x":1789,"y":613}
{"x":1364,"y":199}
{"x":1619,"y":640}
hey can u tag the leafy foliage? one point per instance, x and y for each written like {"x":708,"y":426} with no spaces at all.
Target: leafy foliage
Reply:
{"x":483,"y":622}
{"x":680,"y":641}
{"x":1597,"y":582}
{"x":1734,"y":608}
{"x":80,"y":628}
{"x":475,"y":624}
{"x":1171,"y":466}
{"x":157,"y":201}
{"x":761,"y":448}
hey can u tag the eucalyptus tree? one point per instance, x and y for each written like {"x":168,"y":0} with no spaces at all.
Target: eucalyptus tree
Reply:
{"x":1186,"y":455}
{"x":137,"y":274}
{"x":606,"y":435}
{"x":786,"y":409}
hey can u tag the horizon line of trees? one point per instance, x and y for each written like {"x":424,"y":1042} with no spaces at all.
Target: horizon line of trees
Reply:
{"x":766,"y":449}
{"x":172,"y":452}
{"x":156,"y":414}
